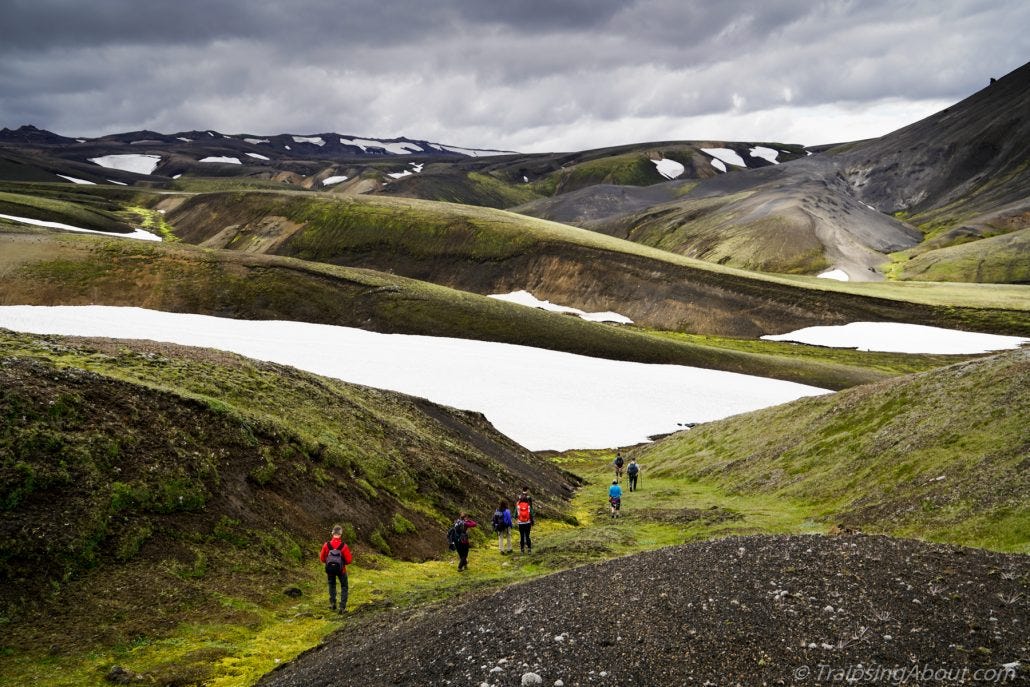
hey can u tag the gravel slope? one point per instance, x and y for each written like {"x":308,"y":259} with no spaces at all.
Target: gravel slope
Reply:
{"x":737,"y":611}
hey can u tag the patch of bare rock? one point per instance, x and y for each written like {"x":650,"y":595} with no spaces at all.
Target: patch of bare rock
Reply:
{"x":760,"y":610}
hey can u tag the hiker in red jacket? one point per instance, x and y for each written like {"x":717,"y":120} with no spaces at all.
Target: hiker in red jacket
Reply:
{"x":336,"y":556}
{"x":524,"y":516}
{"x":459,"y":538}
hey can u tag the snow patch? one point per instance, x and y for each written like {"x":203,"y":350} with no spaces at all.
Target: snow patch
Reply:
{"x":670,"y":169}
{"x":400,"y":175}
{"x":894,"y":337}
{"x":765,"y":153}
{"x":528,"y":299}
{"x":396,"y":147}
{"x":314,"y":140}
{"x":728,"y":156}
{"x":137,"y":164}
{"x":120,"y":183}
{"x":255,"y":141}
{"x":329,"y":181}
{"x":718,"y":164}
{"x":224,"y":160}
{"x":184,"y":140}
{"x":542,"y":399}
{"x":257,"y":156}
{"x":837,"y":274}
{"x":75,"y":180}
{"x":416,"y":167}
{"x":138,"y":234}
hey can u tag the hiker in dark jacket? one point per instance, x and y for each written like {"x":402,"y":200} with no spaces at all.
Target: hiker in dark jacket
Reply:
{"x":502,"y":526}
{"x":461,"y":529}
{"x":524,"y":517}
{"x":633,"y":471}
{"x":336,"y":556}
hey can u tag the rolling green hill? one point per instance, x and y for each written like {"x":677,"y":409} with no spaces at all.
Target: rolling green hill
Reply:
{"x":939,"y":455}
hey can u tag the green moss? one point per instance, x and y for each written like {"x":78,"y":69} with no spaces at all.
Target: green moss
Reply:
{"x":402,"y":525}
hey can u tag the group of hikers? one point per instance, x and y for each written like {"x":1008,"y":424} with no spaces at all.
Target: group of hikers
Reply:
{"x":336,"y":555}
{"x":615,"y":490}
{"x":502,"y":522}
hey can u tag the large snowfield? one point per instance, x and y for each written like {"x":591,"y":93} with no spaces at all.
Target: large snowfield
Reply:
{"x":542,"y":399}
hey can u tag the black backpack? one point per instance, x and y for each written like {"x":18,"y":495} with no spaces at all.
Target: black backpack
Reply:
{"x":334,"y":560}
{"x":498,"y":521}
{"x":632,"y":469}
{"x":458,"y":534}
{"x":618,"y":461}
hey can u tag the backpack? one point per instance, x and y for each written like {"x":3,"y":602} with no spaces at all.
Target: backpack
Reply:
{"x":524,"y":513}
{"x":498,"y":521}
{"x":632,"y":469}
{"x":334,"y":560}
{"x":618,"y":461}
{"x":458,"y":534}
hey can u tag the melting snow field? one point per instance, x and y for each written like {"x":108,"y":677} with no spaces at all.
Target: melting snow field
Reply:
{"x":894,"y":337}
{"x":76,"y":180}
{"x":526,"y":298}
{"x":670,"y":169}
{"x":329,"y":181}
{"x":138,"y":234}
{"x":138,"y":164}
{"x":542,"y":399}
{"x":838,"y":275}
{"x":765,"y":153}
{"x":726,"y":155}
{"x":223,"y":159}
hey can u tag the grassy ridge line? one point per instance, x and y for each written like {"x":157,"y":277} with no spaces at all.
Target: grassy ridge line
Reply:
{"x":939,"y":455}
{"x":98,"y":215}
{"x":427,"y":228}
{"x":79,"y":270}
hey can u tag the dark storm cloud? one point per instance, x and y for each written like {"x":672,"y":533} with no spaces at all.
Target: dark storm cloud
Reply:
{"x":500,"y":74}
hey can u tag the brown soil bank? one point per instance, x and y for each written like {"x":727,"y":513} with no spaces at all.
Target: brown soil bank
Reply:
{"x":785,"y":610}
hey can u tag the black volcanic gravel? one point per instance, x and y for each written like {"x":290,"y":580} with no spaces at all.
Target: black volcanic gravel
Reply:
{"x":762,"y":610}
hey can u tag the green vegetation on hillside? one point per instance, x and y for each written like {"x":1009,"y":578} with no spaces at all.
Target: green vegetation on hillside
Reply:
{"x":938,"y":455}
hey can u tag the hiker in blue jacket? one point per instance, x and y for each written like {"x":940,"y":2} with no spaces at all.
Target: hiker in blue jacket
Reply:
{"x":615,"y":497}
{"x":502,"y":524}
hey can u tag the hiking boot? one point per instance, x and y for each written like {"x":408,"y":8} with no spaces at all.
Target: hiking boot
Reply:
{"x":332,"y":605}
{"x":342,"y":610}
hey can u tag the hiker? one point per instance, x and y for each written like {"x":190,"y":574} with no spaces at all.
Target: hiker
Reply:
{"x":615,"y":497}
{"x":336,"y":556}
{"x":618,"y":463}
{"x":502,"y":526}
{"x":459,"y":538}
{"x":632,"y":471}
{"x":524,"y":518}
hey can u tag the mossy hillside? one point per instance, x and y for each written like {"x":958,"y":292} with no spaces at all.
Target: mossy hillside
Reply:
{"x":938,"y":455}
{"x":478,"y":188}
{"x":97,"y":215}
{"x":166,"y":455}
{"x":996,"y":260}
{"x":74,"y":269}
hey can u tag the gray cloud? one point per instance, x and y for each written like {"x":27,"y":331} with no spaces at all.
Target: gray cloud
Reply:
{"x":513,"y":75}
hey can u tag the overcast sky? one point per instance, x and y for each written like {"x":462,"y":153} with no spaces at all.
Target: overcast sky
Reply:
{"x":527,"y":75}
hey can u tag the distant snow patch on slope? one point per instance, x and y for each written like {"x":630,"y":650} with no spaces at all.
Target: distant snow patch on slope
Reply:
{"x":894,"y":337}
{"x":417,"y":167}
{"x":255,"y":141}
{"x":718,"y":164}
{"x":184,"y":140}
{"x":137,"y":164}
{"x":120,"y":183}
{"x":540,"y":398}
{"x":257,"y":156}
{"x":395,"y":147}
{"x":526,"y":298}
{"x":726,"y":155}
{"x":670,"y":169}
{"x":314,"y":140}
{"x":329,"y":181}
{"x":75,"y":180}
{"x":838,"y":274}
{"x":138,"y":234}
{"x":400,"y":175}
{"x":765,"y":153}
{"x":222,"y":159}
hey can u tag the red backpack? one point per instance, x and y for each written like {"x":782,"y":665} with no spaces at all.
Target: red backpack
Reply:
{"x":524,"y":515}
